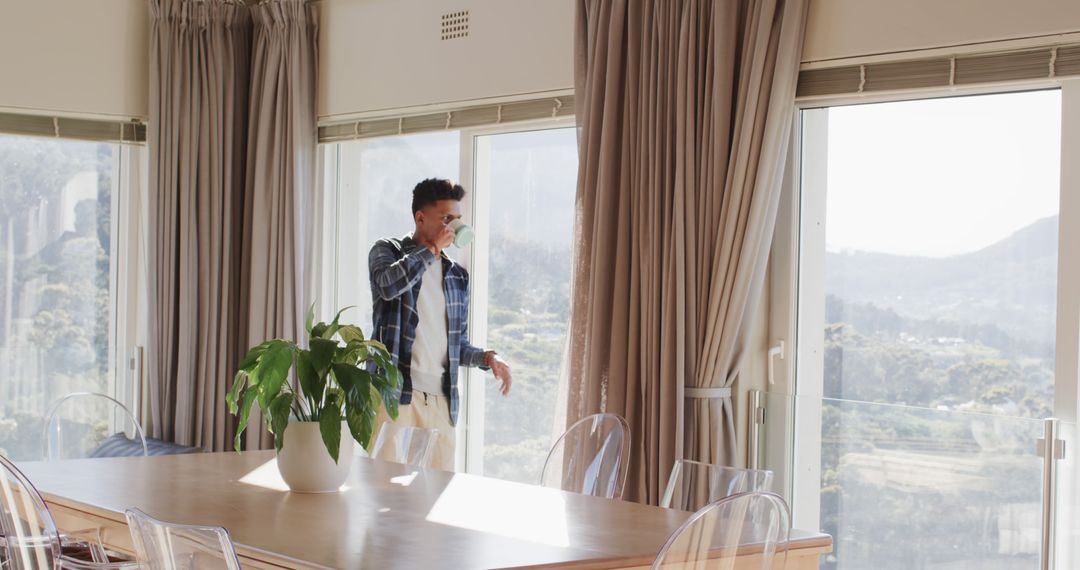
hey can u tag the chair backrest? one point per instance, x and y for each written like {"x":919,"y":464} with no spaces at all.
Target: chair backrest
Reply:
{"x":693,"y":484}
{"x":29,"y":538}
{"x":161,"y":545}
{"x":79,"y":422}
{"x":751,"y":528}
{"x":591,"y":458}
{"x":405,"y":444}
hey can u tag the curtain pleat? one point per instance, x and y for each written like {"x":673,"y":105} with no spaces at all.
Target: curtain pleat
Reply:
{"x":232,"y":146}
{"x":280,"y":175}
{"x":685,"y":107}
{"x":196,"y":135}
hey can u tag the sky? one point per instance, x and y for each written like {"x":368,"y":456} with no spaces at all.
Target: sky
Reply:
{"x":940,"y":177}
{"x":934,"y":177}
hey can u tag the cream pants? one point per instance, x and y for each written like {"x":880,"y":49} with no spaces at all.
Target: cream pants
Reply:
{"x":426,"y":411}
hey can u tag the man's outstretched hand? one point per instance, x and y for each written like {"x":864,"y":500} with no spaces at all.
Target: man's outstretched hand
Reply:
{"x":500,"y":369}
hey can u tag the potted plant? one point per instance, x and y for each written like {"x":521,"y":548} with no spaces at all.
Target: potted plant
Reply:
{"x":342,"y":377}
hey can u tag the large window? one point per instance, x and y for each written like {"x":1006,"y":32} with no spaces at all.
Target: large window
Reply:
{"x":520,"y":184}
{"x":371,"y":197}
{"x":58,"y":285}
{"x":926,"y":327}
{"x":941,"y":252}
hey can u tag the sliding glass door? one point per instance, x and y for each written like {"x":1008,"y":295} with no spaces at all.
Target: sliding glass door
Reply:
{"x":525,"y":184}
{"x":926,"y":323}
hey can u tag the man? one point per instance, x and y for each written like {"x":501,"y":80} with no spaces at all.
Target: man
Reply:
{"x":421,"y":309}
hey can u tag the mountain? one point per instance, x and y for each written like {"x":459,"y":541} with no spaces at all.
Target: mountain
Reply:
{"x":1010,"y":284}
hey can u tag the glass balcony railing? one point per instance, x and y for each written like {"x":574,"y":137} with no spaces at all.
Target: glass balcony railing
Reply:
{"x":917,"y":488}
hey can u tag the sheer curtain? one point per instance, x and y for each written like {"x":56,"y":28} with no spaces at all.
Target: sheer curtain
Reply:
{"x":684,"y":109}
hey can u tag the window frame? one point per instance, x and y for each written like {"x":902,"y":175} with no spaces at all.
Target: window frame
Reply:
{"x":127,"y":295}
{"x":797,"y":275}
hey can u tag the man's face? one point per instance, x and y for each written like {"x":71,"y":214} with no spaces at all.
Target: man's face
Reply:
{"x":431,"y":220}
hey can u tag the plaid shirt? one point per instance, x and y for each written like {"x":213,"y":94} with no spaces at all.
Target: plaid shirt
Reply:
{"x":396,"y":267}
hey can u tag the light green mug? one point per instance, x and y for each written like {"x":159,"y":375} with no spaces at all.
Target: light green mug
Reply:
{"x":463,"y":233}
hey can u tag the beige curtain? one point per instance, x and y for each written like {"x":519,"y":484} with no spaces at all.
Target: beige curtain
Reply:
{"x":685,"y":108}
{"x":197,"y":135}
{"x":280,"y":174}
{"x":222,"y":254}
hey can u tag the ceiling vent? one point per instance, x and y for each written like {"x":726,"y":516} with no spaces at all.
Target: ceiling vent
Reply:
{"x":455,"y":25}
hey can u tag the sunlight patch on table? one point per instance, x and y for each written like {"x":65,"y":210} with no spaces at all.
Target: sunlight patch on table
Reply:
{"x":499,"y":507}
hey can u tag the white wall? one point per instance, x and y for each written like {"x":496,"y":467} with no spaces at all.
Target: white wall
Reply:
{"x":90,"y":56}
{"x":850,"y":28}
{"x":379,"y":55}
{"x":75,"y":56}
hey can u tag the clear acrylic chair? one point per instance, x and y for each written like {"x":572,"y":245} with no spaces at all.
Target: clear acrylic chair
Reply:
{"x":693,"y":484}
{"x":78,"y":423}
{"x":160,"y":545}
{"x":591,"y":458}
{"x":405,"y":444}
{"x":748,"y":528}
{"x":29,"y":538}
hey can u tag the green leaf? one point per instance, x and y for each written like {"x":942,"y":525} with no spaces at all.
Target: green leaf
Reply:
{"x":361,"y":425}
{"x":387,"y":380}
{"x":337,"y":393}
{"x":322,"y":354}
{"x":337,"y":317}
{"x":245,"y":413}
{"x":361,"y":352}
{"x":391,"y":397}
{"x":379,"y":346}
{"x":309,"y":379}
{"x":279,"y":417}
{"x":330,"y":426}
{"x":348,"y":353}
{"x":234,"y":393}
{"x":344,"y":378}
{"x":355,"y":382}
{"x":318,"y":330}
{"x":351,"y":333}
{"x":310,"y":318}
{"x":273,"y":370}
{"x":391,"y":375}
{"x":334,"y":326}
{"x":376,"y":397}
{"x":386,"y":373}
{"x":253,"y":355}
{"x":381,"y":359}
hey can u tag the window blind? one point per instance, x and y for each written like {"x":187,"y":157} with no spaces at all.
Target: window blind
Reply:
{"x":71,"y":128}
{"x":971,"y":69}
{"x":478,"y":116}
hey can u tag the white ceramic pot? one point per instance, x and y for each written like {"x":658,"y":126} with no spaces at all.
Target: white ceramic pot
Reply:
{"x":304,"y":463}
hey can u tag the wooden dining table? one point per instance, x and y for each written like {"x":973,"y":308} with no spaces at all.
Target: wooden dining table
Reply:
{"x":386,"y":516}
